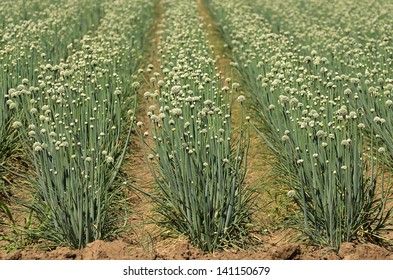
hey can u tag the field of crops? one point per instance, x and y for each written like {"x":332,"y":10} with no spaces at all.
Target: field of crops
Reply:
{"x":261,"y":128}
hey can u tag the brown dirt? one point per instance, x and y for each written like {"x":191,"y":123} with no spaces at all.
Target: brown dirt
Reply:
{"x":142,"y":240}
{"x":180,"y":249}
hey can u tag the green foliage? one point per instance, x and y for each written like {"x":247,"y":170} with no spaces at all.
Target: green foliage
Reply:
{"x":73,"y":110}
{"x":198,"y":164}
{"x":309,"y":74}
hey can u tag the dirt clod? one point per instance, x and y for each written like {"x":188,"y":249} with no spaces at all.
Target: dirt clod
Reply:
{"x":351,"y":251}
{"x":17,"y":255}
{"x":105,"y":250}
{"x":286,"y":252}
{"x":65,"y":253}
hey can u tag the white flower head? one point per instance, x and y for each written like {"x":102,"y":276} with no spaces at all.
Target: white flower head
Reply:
{"x":175,"y":89}
{"x":17,"y":124}
{"x":241,"y":99}
{"x":291,"y":193}
{"x":109,"y":160}
{"x":285,"y":138}
{"x":177,"y":112}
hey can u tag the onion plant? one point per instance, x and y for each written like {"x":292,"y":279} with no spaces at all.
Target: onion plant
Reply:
{"x":12,"y":12}
{"x":198,"y":163}
{"x":74,"y":113}
{"x":27,"y":43}
{"x":307,"y":97}
{"x":28,"y":32}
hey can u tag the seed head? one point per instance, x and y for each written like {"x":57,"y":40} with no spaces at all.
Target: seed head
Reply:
{"x":17,"y":124}
{"x":109,"y":160}
{"x":361,"y":125}
{"x":241,"y":99}
{"x":346,"y":142}
{"x":177,"y":112}
{"x":291,"y":193}
{"x":154,"y":118}
{"x":175,"y":89}
{"x":135,"y":85}
{"x":285,"y":138}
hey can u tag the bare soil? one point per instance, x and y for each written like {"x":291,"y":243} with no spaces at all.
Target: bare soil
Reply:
{"x":180,"y":249}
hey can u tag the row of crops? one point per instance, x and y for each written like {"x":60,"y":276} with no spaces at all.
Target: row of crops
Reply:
{"x":28,"y":43}
{"x":320,"y":79}
{"x":317,"y":77}
{"x":198,"y":164}
{"x":67,"y":94}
